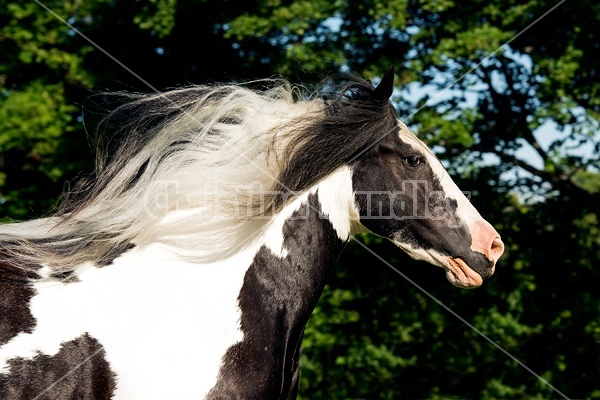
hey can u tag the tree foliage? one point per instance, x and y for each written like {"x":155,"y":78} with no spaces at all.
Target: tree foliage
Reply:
{"x":506,"y":92}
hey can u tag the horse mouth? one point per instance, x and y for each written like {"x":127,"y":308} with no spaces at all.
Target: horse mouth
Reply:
{"x":460,"y":274}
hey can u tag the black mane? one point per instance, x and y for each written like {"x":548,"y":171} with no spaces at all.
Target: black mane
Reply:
{"x":354,"y":119}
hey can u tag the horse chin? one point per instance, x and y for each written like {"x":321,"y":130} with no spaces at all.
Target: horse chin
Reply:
{"x":460,"y":275}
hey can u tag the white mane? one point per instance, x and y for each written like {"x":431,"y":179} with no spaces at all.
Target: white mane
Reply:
{"x":194,"y":181}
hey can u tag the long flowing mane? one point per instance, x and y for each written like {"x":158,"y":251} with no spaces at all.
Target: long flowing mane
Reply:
{"x":201,"y":169}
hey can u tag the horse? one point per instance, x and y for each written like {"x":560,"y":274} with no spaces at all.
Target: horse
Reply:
{"x":187,"y":265}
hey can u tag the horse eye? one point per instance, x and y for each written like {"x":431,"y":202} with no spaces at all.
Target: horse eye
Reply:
{"x":413,"y":161}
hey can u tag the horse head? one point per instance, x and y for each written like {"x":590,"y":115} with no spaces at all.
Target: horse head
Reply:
{"x":403,"y":193}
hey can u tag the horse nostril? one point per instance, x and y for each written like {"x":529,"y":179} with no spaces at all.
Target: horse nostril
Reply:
{"x":496,"y":249}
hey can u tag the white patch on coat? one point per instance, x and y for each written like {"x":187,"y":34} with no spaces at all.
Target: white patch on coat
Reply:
{"x":338,"y":203}
{"x":465,"y":210}
{"x":164,"y":324}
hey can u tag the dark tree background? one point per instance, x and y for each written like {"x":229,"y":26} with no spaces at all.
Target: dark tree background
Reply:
{"x":506,"y":92}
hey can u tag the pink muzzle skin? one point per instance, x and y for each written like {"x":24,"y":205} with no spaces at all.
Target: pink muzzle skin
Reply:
{"x":484,"y":240}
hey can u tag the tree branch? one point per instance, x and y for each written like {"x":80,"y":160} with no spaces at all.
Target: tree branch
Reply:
{"x":546,"y":176}
{"x":521,"y":102}
{"x":559,"y":180}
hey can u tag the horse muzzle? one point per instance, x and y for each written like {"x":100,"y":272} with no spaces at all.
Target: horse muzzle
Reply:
{"x":486,"y":248}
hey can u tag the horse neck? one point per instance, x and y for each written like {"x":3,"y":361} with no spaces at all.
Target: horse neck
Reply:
{"x":302,"y":243}
{"x":282,"y":286}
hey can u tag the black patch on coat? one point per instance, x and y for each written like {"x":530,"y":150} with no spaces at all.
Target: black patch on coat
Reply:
{"x":403,"y":200}
{"x":16,"y":292}
{"x":276,"y":300}
{"x":65,"y":276}
{"x":78,"y":371}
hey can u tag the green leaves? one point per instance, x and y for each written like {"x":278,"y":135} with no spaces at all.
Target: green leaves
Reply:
{"x":473,"y":44}
{"x":157,"y":16}
{"x":33,"y":36}
{"x":389,"y":14}
{"x":37,"y":114}
{"x":298,"y":19}
{"x":33,"y":122}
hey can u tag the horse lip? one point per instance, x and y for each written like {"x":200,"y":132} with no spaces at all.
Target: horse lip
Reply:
{"x":490,"y":272}
{"x":460,"y":274}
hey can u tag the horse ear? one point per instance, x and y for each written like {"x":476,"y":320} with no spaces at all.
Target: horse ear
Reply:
{"x":384,"y":90}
